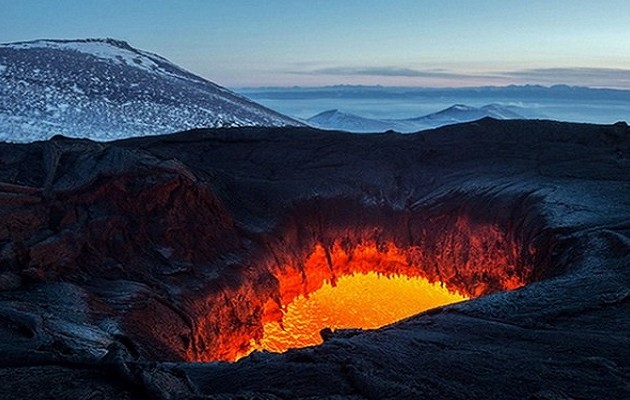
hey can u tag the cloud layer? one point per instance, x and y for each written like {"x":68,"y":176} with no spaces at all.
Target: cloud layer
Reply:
{"x":596,"y":77}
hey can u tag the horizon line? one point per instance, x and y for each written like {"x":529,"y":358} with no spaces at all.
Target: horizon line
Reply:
{"x":424,"y":87}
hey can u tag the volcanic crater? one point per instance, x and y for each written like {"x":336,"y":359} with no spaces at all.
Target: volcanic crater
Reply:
{"x":125,"y":264}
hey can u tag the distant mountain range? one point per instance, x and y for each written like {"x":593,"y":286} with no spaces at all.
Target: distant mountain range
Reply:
{"x":558,"y":102}
{"x":458,"y":113}
{"x":105,"y":89}
{"x":521,"y":92}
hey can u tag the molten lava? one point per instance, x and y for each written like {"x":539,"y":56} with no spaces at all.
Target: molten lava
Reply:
{"x":358,"y":280}
{"x":364,"y":300}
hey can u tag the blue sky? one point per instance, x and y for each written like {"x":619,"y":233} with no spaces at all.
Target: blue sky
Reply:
{"x":324,"y":42}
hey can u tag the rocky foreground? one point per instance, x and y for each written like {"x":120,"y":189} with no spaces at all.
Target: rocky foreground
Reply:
{"x":124,"y":264}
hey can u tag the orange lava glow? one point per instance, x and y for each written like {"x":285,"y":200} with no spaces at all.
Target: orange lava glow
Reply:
{"x":355,"y":281}
{"x":364,"y":300}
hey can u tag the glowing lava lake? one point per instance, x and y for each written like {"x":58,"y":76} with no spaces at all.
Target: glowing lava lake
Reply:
{"x":361,"y":300}
{"x":364,"y":284}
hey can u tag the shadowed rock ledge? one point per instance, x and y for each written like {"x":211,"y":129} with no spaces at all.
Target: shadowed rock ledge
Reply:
{"x":122,"y":262}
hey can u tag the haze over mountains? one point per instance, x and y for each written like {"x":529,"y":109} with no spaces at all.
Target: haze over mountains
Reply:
{"x":105,"y":89}
{"x":458,"y":113}
{"x":559,"y":102}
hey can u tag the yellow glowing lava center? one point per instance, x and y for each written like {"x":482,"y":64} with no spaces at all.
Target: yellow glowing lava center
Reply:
{"x":357,"y":301}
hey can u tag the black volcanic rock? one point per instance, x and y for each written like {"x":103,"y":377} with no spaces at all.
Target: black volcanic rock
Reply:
{"x":122,"y":261}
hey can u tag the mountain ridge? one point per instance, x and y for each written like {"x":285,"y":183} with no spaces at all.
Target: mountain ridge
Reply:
{"x":105,"y":89}
{"x":335,"y":119}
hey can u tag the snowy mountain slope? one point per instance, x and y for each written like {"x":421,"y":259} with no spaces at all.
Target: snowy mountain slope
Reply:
{"x":104,"y":89}
{"x":458,"y":113}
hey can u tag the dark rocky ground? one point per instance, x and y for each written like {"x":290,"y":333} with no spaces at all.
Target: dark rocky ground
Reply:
{"x":121,"y":262}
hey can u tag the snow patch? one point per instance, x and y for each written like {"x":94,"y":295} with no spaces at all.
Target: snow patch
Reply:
{"x":109,"y":50}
